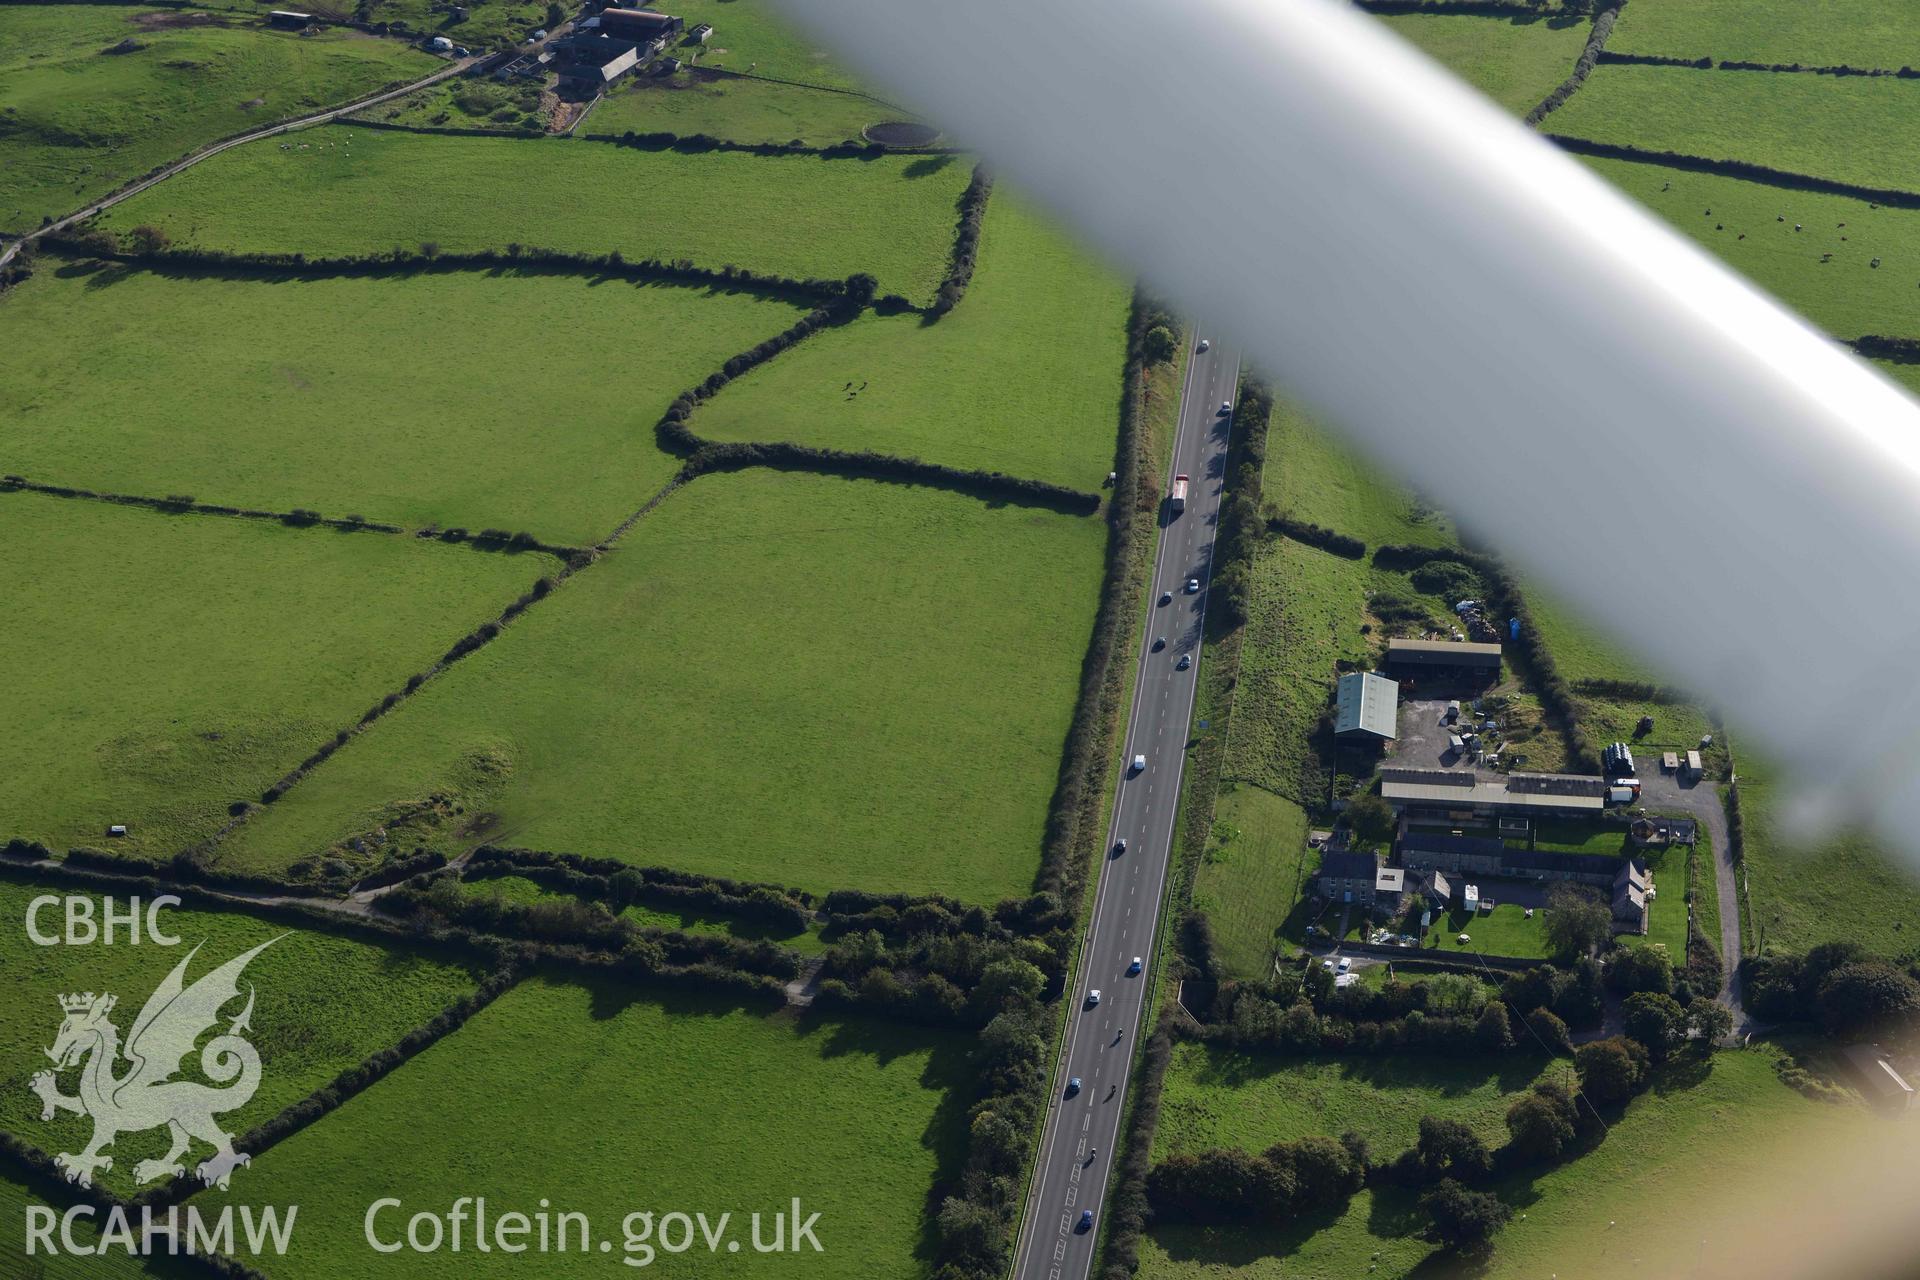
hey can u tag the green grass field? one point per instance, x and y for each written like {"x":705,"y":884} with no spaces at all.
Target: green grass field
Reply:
{"x":1503,"y":931}
{"x":1851,"y":129}
{"x":76,"y":122}
{"x":324,"y":1004}
{"x":1857,"y":33}
{"x":340,"y":192}
{"x":1698,"y":1141}
{"x":112,"y":1265}
{"x":1516,"y":62}
{"x":318,"y":394}
{"x":608,"y":1104}
{"x":763,"y":680}
{"x":519,"y":889}
{"x":1843,"y":295}
{"x":736,"y":108}
{"x":1217,"y":1097}
{"x":1841,"y":885}
{"x":1250,"y":875}
{"x":1023,"y":376}
{"x":1313,"y":475}
{"x":161,"y":667}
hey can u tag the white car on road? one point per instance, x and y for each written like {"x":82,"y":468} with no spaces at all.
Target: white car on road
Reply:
{"x":1093,"y":997}
{"x":1139,"y":764}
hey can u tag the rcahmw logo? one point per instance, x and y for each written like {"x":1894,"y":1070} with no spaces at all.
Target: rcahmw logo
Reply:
{"x":146,"y":1095}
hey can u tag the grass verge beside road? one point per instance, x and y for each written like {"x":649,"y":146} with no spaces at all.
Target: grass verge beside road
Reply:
{"x":1249,"y":876}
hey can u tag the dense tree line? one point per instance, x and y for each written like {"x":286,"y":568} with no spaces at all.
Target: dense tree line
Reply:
{"x":974,"y":1223}
{"x":1839,"y":69}
{"x":180,"y":503}
{"x":1304,"y":1011}
{"x":697,"y":143}
{"x":1319,"y":536}
{"x":1241,"y":528}
{"x":1881,"y":347}
{"x":1227,"y":1185}
{"x":620,"y":885}
{"x":502,"y":540}
{"x":994,"y":486}
{"x":1737,"y":169}
{"x":1843,"y":987}
{"x":568,"y":922}
{"x":1631,"y":690}
{"x":966,"y":243}
{"x":1609,"y":57}
{"x":93,"y":241}
{"x":1605,"y":14}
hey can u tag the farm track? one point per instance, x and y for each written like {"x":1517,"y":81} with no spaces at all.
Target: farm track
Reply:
{"x":186,"y":162}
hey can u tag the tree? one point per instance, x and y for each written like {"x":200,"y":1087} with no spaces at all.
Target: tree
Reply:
{"x":1372,"y":818}
{"x":1612,"y":1070}
{"x":1455,"y":995}
{"x":1324,"y":1170}
{"x":1868,"y":996}
{"x":1710,"y":1022}
{"x":1493,"y":1031}
{"x":1541,"y":1123}
{"x":860,"y":288}
{"x":1657,"y":1022}
{"x":1003,"y":983}
{"x":1159,"y":345}
{"x":1647,"y":968}
{"x":148,"y":238}
{"x":1449,"y":1149}
{"x":1300,"y":1027}
{"x":1537,"y":988}
{"x":1577,"y":920}
{"x":1552,"y":1032}
{"x":555,"y":14}
{"x":1219,"y":1185}
{"x":1460,"y":1217}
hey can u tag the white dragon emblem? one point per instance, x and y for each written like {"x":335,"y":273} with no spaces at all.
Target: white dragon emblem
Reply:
{"x":147,"y":1096}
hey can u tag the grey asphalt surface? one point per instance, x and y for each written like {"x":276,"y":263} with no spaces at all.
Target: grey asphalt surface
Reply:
{"x":1078,"y":1144}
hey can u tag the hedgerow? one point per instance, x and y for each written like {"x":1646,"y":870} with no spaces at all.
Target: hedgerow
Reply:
{"x":966,"y":243}
{"x":1737,"y":169}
